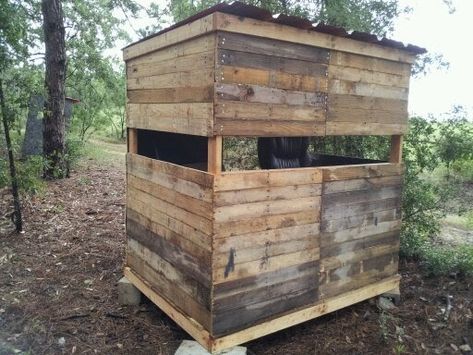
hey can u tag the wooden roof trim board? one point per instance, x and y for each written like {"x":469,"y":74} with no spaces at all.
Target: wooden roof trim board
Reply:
{"x":241,"y":18}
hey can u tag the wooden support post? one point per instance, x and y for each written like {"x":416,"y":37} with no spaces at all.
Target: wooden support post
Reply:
{"x":214,"y":162}
{"x":132,"y":137}
{"x":395,"y":155}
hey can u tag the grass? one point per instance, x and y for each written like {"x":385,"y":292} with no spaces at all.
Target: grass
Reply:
{"x":104,"y":153}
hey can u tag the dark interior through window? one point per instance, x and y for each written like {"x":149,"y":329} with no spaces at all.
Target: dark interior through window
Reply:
{"x":181,"y":149}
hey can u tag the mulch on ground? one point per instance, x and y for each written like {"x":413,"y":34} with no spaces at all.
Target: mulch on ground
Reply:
{"x":58,"y":290}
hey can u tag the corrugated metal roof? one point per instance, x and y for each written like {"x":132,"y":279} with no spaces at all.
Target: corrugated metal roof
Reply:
{"x":243,"y":10}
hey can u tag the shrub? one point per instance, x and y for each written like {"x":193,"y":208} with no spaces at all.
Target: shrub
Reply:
{"x":440,"y":260}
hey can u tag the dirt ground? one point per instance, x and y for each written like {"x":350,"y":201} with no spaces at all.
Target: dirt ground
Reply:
{"x":58,"y":290}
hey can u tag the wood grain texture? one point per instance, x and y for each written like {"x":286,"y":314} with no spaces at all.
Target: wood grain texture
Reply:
{"x":270,"y":78}
{"x":269,"y":62}
{"x":265,"y":128}
{"x":366,"y":62}
{"x":171,"y":95}
{"x":172,"y":80}
{"x":271,"y":47}
{"x":188,"y":118}
{"x":231,"y":23}
{"x":364,"y":128}
{"x":204,"y":60}
{"x":348,"y":172}
{"x":347,"y":87}
{"x":193,"y":29}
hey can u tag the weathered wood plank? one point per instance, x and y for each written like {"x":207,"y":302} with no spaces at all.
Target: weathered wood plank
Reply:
{"x":170,"y":278}
{"x":226,"y":322}
{"x":270,"y":112}
{"x":236,"y":197}
{"x":258,"y":128}
{"x":269,"y":62}
{"x":173,"y":197}
{"x":261,"y":94}
{"x":342,"y":199}
{"x":233,"y":271}
{"x":346,"y":172}
{"x":198,"y":222}
{"x":159,"y":222}
{"x":340,"y":249}
{"x":204,"y":60}
{"x":263,"y":294}
{"x":339,"y":101}
{"x":271,"y":78}
{"x":243,"y":286}
{"x":300,"y":316}
{"x":340,"y":224}
{"x":329,"y":263}
{"x":191,"y":182}
{"x":373,"y":183}
{"x":248,"y":210}
{"x":359,"y":232}
{"x":267,"y":237}
{"x":271,"y":47}
{"x":240,"y":180}
{"x":362,"y":116}
{"x":364,"y":128}
{"x":368,"y":75}
{"x":181,"y":301}
{"x":190,"y":118}
{"x":172,"y":80}
{"x":335,"y":212}
{"x":171,"y":95}
{"x":132,"y":140}
{"x":214,"y":149}
{"x":192,"y":46}
{"x":258,"y":224}
{"x":395,"y":153}
{"x":370,"y":63}
{"x":346,"y":87}
{"x":359,"y":280}
{"x":193,"y":325}
{"x":197,"y":245}
{"x":231,"y":23}
{"x":244,"y":256}
{"x":193,"y":29}
{"x":197,"y":269}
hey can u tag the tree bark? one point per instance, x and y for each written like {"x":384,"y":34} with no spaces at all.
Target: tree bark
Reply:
{"x":54,"y":140}
{"x":16,"y":216}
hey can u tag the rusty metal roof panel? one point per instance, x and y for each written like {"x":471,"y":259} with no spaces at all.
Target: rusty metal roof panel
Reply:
{"x":243,"y":10}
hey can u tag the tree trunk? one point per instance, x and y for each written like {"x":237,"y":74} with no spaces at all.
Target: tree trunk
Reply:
{"x":54,"y":142}
{"x":16,"y":216}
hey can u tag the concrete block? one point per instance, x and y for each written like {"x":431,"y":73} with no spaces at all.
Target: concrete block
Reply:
{"x":190,"y":347}
{"x":128,"y":294}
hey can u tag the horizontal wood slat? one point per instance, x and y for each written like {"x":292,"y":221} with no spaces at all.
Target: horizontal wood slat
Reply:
{"x":231,"y":23}
{"x":195,"y":118}
{"x":271,"y":47}
{"x":268,"y":62}
{"x":271,"y":78}
{"x":171,"y":95}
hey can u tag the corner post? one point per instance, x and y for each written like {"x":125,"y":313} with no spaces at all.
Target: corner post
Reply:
{"x":395,"y":154}
{"x":214,"y":158}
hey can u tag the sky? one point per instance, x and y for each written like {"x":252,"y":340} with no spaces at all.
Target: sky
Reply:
{"x":429,"y":25}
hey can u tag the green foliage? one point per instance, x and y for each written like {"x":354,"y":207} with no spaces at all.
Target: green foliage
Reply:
{"x":463,"y":170}
{"x":443,"y":260}
{"x":239,"y":153}
{"x":29,"y":173}
{"x":456,"y":138}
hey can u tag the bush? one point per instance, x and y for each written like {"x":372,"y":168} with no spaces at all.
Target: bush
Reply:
{"x":441,"y":260}
{"x":28,"y":172}
{"x":463,"y":169}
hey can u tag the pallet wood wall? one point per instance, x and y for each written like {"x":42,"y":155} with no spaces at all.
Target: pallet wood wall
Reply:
{"x":360,"y":226}
{"x":171,"y":89}
{"x":226,"y":81}
{"x":265,"y":243}
{"x":265,"y":87}
{"x":366,"y":95}
{"x":169,"y":228}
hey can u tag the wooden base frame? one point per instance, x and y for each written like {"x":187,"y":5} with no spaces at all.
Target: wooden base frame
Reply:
{"x":296,"y":317}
